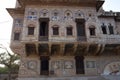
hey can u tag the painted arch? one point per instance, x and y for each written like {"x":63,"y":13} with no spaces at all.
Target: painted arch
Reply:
{"x":112,"y":69}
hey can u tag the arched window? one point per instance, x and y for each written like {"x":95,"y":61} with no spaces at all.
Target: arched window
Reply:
{"x":90,"y":14}
{"x":103,"y":26}
{"x":92,"y":31}
{"x":68,"y":15}
{"x":111,"y":31}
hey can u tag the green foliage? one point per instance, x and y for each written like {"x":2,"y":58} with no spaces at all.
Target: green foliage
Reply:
{"x":14,"y":69}
{"x":10,"y":60}
{"x":3,"y":70}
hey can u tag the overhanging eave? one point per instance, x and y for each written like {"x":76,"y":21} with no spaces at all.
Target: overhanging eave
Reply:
{"x":14,"y":11}
{"x":99,"y":4}
{"x":88,"y":3}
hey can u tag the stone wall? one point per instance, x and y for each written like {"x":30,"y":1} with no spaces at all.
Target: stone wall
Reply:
{"x":65,"y":66}
{"x":62,"y":21}
{"x":62,"y":17}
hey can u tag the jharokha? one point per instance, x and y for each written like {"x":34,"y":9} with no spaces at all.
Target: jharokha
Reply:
{"x":66,"y":40}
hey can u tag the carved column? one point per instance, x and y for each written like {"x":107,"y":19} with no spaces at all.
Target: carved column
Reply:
{"x":87,"y":48}
{"x":49,"y":48}
{"x":101,"y":49}
{"x":98,"y":49}
{"x":62,"y":49}
{"x":75,"y":48}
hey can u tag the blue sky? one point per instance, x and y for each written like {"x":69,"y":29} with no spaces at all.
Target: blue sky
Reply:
{"x":112,"y":5}
{"x":6,"y":20}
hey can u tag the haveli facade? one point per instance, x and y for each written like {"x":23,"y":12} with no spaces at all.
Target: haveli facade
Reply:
{"x":66,"y":40}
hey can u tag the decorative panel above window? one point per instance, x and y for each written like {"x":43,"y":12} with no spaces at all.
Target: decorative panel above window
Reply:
{"x":68,"y":15}
{"x":55,"y":15}
{"x":91,"y":14}
{"x":32,"y":15}
{"x":79,"y":14}
{"x":44,"y":13}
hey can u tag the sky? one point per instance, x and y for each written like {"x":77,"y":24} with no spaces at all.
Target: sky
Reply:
{"x":6,"y":20}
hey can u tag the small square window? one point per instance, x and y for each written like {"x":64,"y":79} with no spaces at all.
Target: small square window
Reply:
{"x":69,"y":31}
{"x":30,"y":30}
{"x":16,"y":36}
{"x":55,"y":31}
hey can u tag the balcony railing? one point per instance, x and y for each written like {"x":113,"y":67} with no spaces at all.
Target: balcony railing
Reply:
{"x":107,"y":77}
{"x":81,"y":38}
{"x":43,"y":38}
{"x":104,"y":39}
{"x":110,"y":39}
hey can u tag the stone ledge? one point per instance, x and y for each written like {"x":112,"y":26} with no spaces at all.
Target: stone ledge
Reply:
{"x":110,"y":77}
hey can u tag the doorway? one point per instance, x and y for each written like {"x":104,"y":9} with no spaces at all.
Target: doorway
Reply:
{"x":79,"y":61}
{"x":44,"y":65}
{"x":80,"y":26}
{"x":43,"y":28}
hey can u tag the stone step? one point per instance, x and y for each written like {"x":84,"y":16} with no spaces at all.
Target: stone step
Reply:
{"x":75,"y":78}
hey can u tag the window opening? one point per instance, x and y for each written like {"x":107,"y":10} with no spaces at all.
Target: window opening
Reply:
{"x":44,"y":65}
{"x":69,"y":31}
{"x":30,"y":30}
{"x":79,"y":64}
{"x":55,"y":31}
{"x":92,"y":31}
{"x":16,"y":36}
{"x":111,"y":31}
